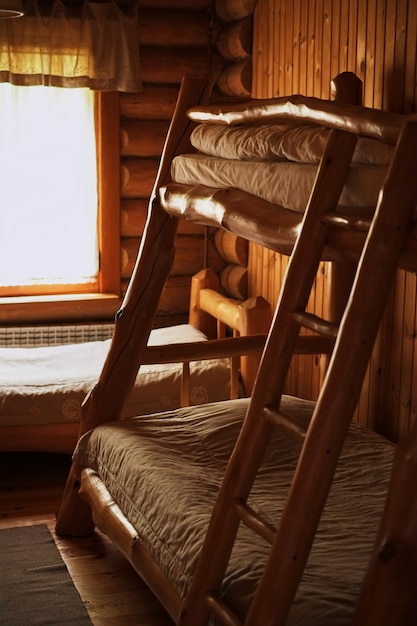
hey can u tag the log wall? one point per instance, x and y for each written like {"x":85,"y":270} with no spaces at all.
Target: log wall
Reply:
{"x":298,"y":46}
{"x":173,"y":40}
{"x":177,"y":37}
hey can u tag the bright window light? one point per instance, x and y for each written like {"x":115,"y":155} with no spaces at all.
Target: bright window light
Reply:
{"x":48,"y":186}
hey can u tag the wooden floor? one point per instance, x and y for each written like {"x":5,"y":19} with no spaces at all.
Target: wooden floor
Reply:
{"x":30,"y":491}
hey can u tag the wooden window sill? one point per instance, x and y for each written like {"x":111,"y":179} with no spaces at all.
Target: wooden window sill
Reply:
{"x":70,"y":308}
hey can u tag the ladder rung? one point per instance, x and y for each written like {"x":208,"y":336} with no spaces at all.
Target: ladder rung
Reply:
{"x":316,"y":323}
{"x":252,"y":520}
{"x":282,"y":420}
{"x":221,"y":611}
{"x":347,"y":222}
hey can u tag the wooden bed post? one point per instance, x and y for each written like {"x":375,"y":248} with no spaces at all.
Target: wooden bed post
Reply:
{"x":205,"y":279}
{"x":256,"y":318}
{"x":135,"y":318}
{"x":346,"y":88}
{"x":388,"y":593}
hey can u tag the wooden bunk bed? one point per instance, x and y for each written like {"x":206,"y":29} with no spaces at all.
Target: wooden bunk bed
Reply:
{"x":42,"y":388}
{"x":271,"y":510}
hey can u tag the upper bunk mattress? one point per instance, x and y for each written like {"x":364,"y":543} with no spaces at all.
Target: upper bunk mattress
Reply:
{"x":164,"y":472}
{"x":285,"y":183}
{"x":277,"y":163}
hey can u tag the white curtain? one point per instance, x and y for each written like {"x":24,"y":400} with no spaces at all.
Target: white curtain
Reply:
{"x":97,"y":48}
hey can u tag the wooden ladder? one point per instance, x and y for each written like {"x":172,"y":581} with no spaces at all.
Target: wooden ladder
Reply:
{"x":354,"y":337}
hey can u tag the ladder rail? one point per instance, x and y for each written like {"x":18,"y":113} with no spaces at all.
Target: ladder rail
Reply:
{"x":326,"y":433}
{"x":333,"y":412}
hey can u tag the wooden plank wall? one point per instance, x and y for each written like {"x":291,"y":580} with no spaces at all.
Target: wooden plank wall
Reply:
{"x":298,"y":46}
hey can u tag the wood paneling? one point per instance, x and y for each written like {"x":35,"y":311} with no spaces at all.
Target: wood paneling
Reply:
{"x":298,"y":47}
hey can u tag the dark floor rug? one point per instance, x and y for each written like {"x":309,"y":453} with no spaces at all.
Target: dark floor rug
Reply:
{"x":35,"y":585}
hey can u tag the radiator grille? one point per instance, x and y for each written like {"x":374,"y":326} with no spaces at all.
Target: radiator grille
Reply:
{"x":37,"y":336}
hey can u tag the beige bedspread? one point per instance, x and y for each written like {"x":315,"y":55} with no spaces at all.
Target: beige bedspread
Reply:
{"x":164,"y":472}
{"x":47,"y":385}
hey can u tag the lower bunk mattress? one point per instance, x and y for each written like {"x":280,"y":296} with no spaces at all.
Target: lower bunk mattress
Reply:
{"x":47,"y":385}
{"x":164,"y":471}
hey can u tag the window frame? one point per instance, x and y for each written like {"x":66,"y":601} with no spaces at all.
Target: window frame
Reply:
{"x":103,"y":303}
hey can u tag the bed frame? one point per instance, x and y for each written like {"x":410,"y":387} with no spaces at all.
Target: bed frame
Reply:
{"x":379,"y":242}
{"x":212,"y":312}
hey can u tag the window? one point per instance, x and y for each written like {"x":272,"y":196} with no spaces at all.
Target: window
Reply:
{"x":59,"y":204}
{"x":48,"y":204}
